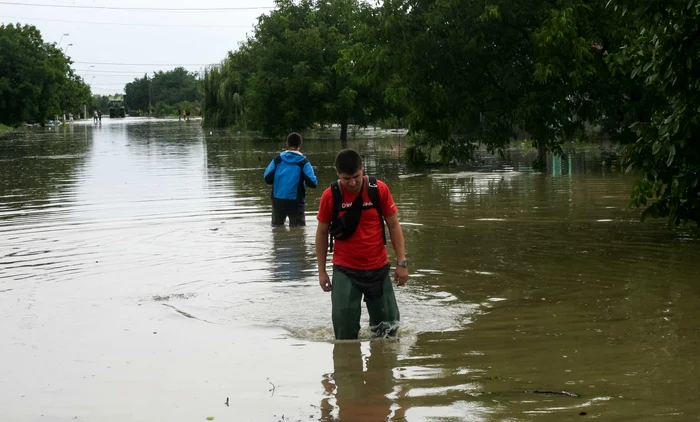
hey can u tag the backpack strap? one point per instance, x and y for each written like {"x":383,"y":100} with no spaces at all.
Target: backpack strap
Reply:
{"x":337,"y":206}
{"x":278,"y":159}
{"x":373,"y":193}
{"x":301,"y":193}
{"x":337,"y":198}
{"x":301,"y":165}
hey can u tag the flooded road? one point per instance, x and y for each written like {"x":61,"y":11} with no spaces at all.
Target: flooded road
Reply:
{"x":140,"y":280}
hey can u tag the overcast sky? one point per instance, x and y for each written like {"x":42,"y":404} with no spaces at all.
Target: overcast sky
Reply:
{"x":125,"y":44}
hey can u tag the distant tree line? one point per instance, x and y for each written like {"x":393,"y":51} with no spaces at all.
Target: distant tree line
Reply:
{"x":460,"y":74}
{"x":165,"y":92}
{"x":37,"y":82}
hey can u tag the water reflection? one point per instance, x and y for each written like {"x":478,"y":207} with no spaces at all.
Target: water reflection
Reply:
{"x":290,"y":254}
{"x":362,"y":386}
{"x":521,"y":281}
{"x":38,"y":172}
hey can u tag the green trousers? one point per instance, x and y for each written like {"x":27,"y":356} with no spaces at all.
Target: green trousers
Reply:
{"x":346,"y":301}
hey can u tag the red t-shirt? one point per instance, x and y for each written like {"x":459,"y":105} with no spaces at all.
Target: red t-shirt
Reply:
{"x":365,"y":249}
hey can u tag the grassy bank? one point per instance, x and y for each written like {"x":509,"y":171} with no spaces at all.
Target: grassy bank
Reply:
{"x":4,"y":128}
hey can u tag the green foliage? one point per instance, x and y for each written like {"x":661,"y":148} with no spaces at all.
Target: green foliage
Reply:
{"x":224,"y":98}
{"x":477,"y":74}
{"x":169,"y":88}
{"x":292,"y":73}
{"x":664,"y":56}
{"x":36,"y":80}
{"x":463,"y":75}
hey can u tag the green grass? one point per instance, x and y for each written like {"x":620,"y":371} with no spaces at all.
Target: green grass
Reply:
{"x":4,"y":128}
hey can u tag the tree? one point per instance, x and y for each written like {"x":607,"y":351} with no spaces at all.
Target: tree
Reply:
{"x":225,"y":88}
{"x":291,"y":73}
{"x":664,"y":56}
{"x":73,"y":94}
{"x":170,"y":88}
{"x":136,"y":93}
{"x":36,"y":80}
{"x":476,"y":73}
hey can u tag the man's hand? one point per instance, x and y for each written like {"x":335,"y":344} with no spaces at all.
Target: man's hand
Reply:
{"x":400,"y":275}
{"x":325,"y":281}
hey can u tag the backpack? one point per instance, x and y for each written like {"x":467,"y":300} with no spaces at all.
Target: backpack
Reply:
{"x":342,"y":228}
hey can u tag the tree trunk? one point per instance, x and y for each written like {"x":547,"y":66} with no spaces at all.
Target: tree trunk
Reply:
{"x":541,"y":161}
{"x":344,"y":130}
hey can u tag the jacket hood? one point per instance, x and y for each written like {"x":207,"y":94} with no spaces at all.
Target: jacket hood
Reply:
{"x":292,"y":156}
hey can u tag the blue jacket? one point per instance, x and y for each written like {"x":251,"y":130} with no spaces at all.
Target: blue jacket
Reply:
{"x":287,"y":174}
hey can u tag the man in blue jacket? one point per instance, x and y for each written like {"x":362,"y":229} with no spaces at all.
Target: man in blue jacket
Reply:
{"x":287,"y":174}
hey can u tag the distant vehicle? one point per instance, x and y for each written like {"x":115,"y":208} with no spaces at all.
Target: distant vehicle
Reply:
{"x":116,"y":107}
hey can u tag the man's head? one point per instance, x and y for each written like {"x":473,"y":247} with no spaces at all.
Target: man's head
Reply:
{"x":348,"y":165}
{"x":294,"y":141}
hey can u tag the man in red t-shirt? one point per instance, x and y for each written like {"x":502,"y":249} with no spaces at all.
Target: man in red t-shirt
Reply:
{"x":360,"y":261}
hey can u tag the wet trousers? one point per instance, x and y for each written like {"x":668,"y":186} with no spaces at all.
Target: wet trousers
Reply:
{"x":346,"y":301}
{"x":283,"y":208}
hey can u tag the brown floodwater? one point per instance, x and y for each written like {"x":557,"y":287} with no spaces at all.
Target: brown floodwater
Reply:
{"x":140,"y":280}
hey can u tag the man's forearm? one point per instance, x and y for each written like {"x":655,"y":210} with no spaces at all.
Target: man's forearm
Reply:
{"x":321,"y":249}
{"x":397,"y":241}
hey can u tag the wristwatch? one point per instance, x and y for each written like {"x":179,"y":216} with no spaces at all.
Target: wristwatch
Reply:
{"x":403,"y":263}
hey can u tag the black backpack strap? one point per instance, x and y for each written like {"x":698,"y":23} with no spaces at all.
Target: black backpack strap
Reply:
{"x":337,"y":198}
{"x":301,"y":165}
{"x":337,"y":206}
{"x":300,"y":189}
{"x":278,"y":160}
{"x":373,"y":193}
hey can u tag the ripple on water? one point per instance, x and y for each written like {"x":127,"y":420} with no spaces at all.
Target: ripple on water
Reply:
{"x":524,"y":281}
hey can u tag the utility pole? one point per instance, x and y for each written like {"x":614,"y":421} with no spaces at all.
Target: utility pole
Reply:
{"x":149,"y":97}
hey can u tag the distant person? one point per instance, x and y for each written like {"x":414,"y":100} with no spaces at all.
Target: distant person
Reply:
{"x":287,"y":173}
{"x":187,"y":114}
{"x":99,"y":115}
{"x":94,"y":116}
{"x":354,"y":210}
{"x":70,"y":117}
{"x":179,"y":114}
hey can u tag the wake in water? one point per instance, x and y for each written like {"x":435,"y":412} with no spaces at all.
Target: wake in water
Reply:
{"x":304,"y":311}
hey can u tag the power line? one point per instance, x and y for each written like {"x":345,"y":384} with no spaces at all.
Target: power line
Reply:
{"x":109,"y":85}
{"x":110,"y":71}
{"x":140,"y":9}
{"x":127,"y":24}
{"x":148,"y":64}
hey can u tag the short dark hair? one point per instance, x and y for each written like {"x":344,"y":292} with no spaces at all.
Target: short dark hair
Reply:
{"x":294,"y":140}
{"x":348,"y":161}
